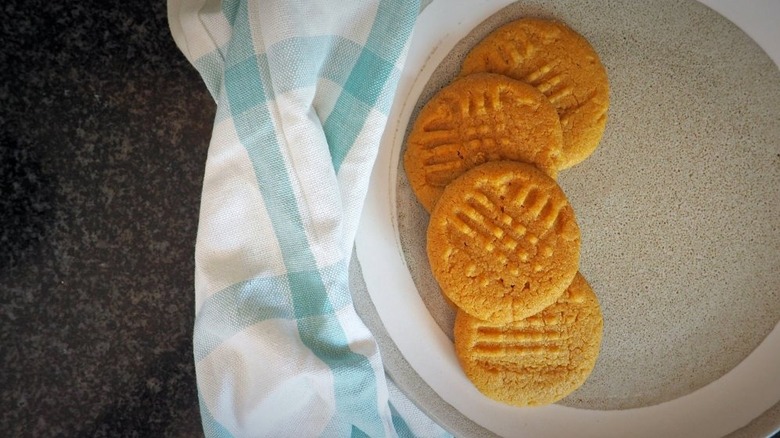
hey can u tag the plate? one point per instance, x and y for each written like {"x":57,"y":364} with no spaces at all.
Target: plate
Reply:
{"x":679,"y":209}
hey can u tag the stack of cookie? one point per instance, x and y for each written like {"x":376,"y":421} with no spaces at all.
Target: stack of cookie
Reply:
{"x":503,"y":241}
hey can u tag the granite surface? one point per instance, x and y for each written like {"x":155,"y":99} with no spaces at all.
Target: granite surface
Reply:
{"x":104,"y":129}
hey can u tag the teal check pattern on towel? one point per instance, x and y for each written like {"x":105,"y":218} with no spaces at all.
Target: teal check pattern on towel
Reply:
{"x":303,"y":89}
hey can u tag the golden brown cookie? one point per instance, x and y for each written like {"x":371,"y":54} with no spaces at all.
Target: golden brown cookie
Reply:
{"x":539,"y":359}
{"x":561,"y":64}
{"x":503,"y":242}
{"x":479,"y":118}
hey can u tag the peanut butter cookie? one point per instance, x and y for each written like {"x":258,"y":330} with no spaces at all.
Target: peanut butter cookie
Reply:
{"x":475,"y":119}
{"x":561,"y":64}
{"x":537,"y":360}
{"x":503,"y":242}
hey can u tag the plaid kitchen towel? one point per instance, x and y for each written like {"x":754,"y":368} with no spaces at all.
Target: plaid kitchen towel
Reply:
{"x":303,"y":89}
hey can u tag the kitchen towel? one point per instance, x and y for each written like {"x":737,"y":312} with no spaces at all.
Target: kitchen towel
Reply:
{"x":303,"y":89}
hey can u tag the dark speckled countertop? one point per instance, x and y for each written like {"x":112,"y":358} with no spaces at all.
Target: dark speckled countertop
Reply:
{"x":104,"y":129}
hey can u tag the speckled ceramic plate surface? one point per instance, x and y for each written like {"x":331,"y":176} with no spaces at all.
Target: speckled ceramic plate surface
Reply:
{"x":680,"y":214}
